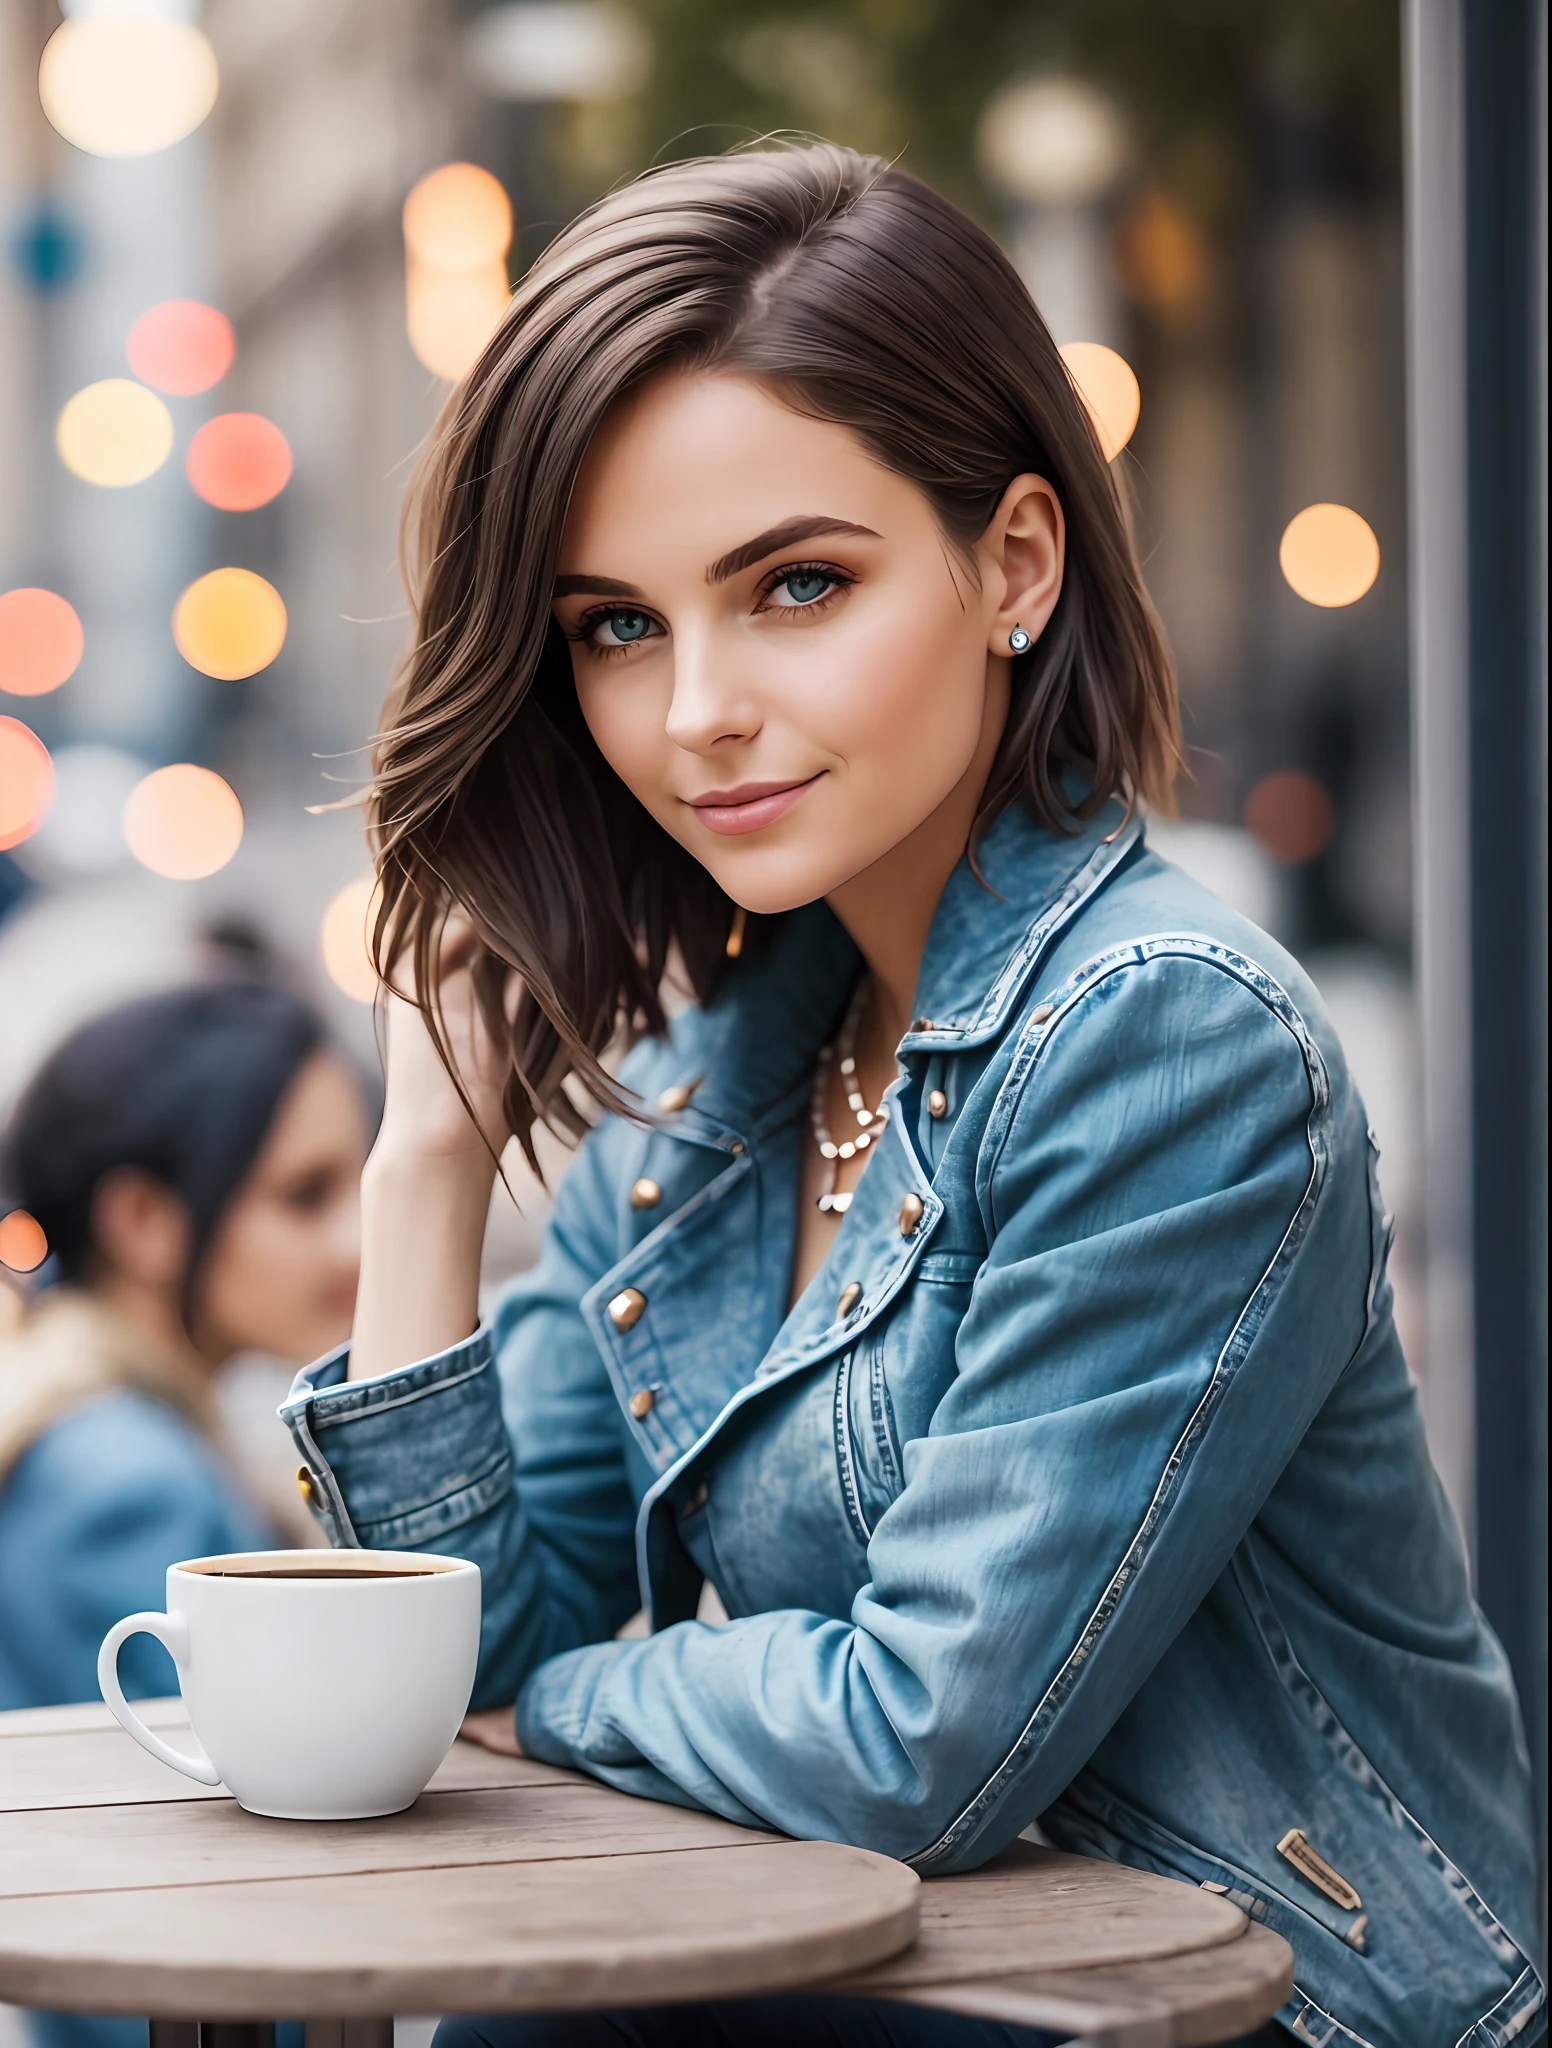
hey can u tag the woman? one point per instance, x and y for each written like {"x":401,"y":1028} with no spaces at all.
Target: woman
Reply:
{"x":981,"y":1283}
{"x":194,"y":1160}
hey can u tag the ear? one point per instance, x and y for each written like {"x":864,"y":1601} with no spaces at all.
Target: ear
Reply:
{"x":141,"y":1230}
{"x":1023,"y":555}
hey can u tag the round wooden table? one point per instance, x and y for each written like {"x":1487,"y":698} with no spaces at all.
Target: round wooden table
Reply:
{"x":514,"y":1886}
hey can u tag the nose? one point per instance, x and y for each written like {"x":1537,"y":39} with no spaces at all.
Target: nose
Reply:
{"x":710,"y":703}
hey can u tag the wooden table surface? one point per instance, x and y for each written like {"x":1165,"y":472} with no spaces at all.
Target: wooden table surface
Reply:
{"x":511,"y":1885}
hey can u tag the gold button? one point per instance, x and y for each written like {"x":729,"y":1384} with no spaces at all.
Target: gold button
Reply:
{"x":910,"y":1214}
{"x":937,"y":1103}
{"x":851,"y":1294}
{"x":921,"y":1023}
{"x":1041,"y":1012}
{"x":304,"y":1484}
{"x":642,"y":1404}
{"x":736,"y":1147}
{"x":646,"y":1194}
{"x":627,"y":1308}
{"x":672,"y":1100}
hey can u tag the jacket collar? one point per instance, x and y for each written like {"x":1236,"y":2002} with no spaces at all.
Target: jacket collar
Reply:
{"x":755,"y":1043}
{"x":989,"y":928}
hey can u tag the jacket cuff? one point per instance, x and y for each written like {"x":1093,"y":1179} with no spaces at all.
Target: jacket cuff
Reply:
{"x":397,"y":1462}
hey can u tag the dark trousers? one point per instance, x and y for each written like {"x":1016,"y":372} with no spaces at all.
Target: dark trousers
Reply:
{"x":792,"y":2022}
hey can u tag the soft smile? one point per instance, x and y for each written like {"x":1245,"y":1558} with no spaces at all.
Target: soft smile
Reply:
{"x":750,"y":806}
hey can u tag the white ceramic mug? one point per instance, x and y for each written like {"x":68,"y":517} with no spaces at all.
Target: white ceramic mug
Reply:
{"x":321,"y":1685}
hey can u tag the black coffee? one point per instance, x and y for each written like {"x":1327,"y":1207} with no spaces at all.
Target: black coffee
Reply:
{"x":324,"y":1571}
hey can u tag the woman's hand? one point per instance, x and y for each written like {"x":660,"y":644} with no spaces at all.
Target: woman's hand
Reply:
{"x":426,"y":1190}
{"x":492,"y":1729}
{"x":423,"y":1115}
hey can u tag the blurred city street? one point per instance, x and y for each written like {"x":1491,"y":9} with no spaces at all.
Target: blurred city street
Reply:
{"x":246,"y":247}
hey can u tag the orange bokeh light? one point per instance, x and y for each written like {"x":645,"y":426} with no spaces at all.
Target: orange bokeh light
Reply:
{"x":23,"y":1246}
{"x":238,"y":461}
{"x":458,"y":218}
{"x":41,"y":642}
{"x":343,"y":938}
{"x":183,"y":822}
{"x":230,"y":624}
{"x":457,"y":230}
{"x":451,"y":314}
{"x":1329,"y":555}
{"x":26,"y":782}
{"x":1292,"y":816}
{"x":1109,"y":388}
{"x":181,"y":347}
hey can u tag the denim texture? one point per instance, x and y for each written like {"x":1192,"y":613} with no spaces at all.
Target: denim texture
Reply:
{"x":1107,"y":1503}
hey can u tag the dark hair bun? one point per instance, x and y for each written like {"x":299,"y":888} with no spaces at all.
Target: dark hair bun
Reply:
{"x":183,"y":1085}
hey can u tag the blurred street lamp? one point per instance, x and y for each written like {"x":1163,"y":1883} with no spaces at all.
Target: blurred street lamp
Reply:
{"x":1108,"y":387}
{"x":229,"y":624}
{"x":114,"y":433}
{"x":557,"y":50}
{"x":183,"y":822}
{"x":1329,"y":555}
{"x":181,"y":347}
{"x":238,"y":461}
{"x":457,"y":230}
{"x":41,"y":641}
{"x":343,"y":939}
{"x":1052,"y":142}
{"x":1057,"y":148}
{"x":127,"y":77}
{"x":26,"y":782}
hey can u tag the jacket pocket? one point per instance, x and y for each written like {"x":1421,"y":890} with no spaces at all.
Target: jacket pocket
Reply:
{"x":867,"y":1442}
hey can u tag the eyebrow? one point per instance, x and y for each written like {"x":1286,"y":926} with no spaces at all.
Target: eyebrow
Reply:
{"x":594,"y":586}
{"x":804,"y":526}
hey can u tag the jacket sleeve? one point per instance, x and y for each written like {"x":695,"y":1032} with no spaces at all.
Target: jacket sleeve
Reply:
{"x":506,"y":1450}
{"x":1147,"y":1180}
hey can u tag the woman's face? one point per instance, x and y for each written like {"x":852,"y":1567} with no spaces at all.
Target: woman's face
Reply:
{"x":280,"y":1274}
{"x":774,"y":646}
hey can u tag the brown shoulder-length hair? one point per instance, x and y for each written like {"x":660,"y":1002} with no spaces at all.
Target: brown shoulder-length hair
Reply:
{"x":858,"y":296}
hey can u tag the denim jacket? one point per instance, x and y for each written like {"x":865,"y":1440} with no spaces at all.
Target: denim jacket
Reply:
{"x":1085,"y":1483}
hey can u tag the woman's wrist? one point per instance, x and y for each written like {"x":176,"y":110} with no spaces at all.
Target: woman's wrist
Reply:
{"x":423,"y":1214}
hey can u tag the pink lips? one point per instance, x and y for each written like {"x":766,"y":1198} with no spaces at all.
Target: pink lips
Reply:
{"x":750,"y":806}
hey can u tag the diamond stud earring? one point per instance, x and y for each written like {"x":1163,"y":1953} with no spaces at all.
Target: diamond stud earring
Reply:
{"x":1019,"y":641}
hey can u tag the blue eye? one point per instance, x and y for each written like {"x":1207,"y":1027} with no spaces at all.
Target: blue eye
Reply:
{"x":805,"y":586}
{"x":621,"y":629}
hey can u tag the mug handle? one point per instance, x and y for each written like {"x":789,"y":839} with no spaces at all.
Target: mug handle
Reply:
{"x":172,"y":1632}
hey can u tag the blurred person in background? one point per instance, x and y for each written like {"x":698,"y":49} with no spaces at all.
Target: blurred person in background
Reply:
{"x":194,"y":1160}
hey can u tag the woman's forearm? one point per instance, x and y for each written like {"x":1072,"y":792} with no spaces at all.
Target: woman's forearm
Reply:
{"x":422,"y":1231}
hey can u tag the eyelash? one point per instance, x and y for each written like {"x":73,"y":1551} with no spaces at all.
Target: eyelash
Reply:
{"x":838,"y":580}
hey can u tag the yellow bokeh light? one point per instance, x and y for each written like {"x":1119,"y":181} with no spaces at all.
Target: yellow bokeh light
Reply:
{"x":230,"y":624}
{"x":1108,"y":388}
{"x":114,"y":433}
{"x":343,"y":937}
{"x":453,"y":313}
{"x":126,"y":85}
{"x":458,"y":217}
{"x":1329,"y":555}
{"x":183,"y":822}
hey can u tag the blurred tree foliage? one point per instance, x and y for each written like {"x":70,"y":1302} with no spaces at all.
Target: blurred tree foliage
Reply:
{"x":1227,"y":99}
